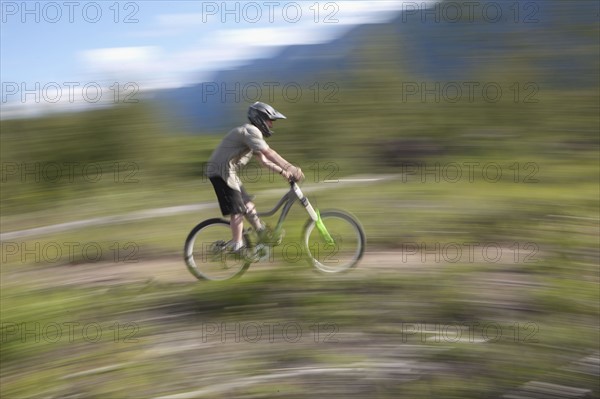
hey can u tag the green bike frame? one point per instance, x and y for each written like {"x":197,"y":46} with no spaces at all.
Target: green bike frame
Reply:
{"x":287,"y":201}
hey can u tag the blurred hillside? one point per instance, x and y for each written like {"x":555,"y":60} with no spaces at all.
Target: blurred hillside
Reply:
{"x":381,"y":96}
{"x":551,"y":43}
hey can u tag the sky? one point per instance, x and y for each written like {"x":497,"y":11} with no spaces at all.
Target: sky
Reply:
{"x":57,"y":54}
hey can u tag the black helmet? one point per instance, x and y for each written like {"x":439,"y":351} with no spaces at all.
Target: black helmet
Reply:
{"x":259,"y":112}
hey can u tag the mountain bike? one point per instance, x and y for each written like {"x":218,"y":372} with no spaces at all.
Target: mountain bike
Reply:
{"x":332,"y":241}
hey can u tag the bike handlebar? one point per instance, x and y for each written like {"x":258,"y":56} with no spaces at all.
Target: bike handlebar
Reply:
{"x":293,"y":181}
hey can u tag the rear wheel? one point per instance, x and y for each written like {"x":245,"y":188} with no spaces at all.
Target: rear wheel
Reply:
{"x":206,"y":255}
{"x":346,"y":250}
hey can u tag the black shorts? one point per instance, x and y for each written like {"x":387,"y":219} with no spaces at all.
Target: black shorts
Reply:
{"x":232,"y":202}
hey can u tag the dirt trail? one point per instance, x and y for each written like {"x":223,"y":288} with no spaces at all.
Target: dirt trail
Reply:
{"x":362,"y":361}
{"x":181,"y":209}
{"x":173,"y":270}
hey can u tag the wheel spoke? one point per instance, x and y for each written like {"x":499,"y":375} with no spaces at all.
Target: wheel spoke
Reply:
{"x":206,"y":252}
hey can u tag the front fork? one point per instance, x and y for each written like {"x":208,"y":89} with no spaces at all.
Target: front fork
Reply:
{"x":314,"y":214}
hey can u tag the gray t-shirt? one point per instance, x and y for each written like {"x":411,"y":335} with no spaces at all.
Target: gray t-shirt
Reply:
{"x":235,"y":151}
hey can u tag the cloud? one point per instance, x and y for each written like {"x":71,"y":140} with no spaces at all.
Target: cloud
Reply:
{"x":272,"y":36}
{"x":119,"y":61}
{"x":320,"y":16}
{"x":148,"y":67}
{"x":210,"y":43}
{"x":168,"y":25}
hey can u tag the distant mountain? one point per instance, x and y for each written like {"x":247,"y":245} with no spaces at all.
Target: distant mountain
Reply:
{"x":558,"y":40}
{"x":213,"y":105}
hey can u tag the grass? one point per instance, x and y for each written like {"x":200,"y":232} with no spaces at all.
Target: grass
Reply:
{"x":406,"y":317}
{"x":524,"y":317}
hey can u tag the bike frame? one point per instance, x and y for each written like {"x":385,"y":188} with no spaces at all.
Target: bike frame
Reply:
{"x":287,"y":201}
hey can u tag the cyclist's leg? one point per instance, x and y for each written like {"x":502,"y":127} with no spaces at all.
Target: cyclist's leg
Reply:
{"x":236,"y":222}
{"x":237,"y":226}
{"x":252,"y":216}
{"x":251,"y":213}
{"x":231,"y":203}
{"x":260,"y":228}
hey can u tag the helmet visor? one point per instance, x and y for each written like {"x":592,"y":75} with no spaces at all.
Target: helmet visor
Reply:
{"x":275,"y":115}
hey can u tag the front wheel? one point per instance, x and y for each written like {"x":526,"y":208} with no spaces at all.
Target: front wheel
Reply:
{"x":344,"y":252}
{"x":206,"y":254}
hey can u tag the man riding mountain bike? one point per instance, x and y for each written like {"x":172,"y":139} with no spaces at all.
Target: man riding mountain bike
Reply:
{"x":234,"y":151}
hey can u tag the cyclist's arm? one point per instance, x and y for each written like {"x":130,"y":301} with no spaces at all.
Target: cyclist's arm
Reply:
{"x":277,"y":159}
{"x":272,"y":160}
{"x":263,"y":159}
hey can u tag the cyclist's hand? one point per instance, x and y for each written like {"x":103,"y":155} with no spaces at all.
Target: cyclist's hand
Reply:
{"x":293,"y":173}
{"x":298,"y":175}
